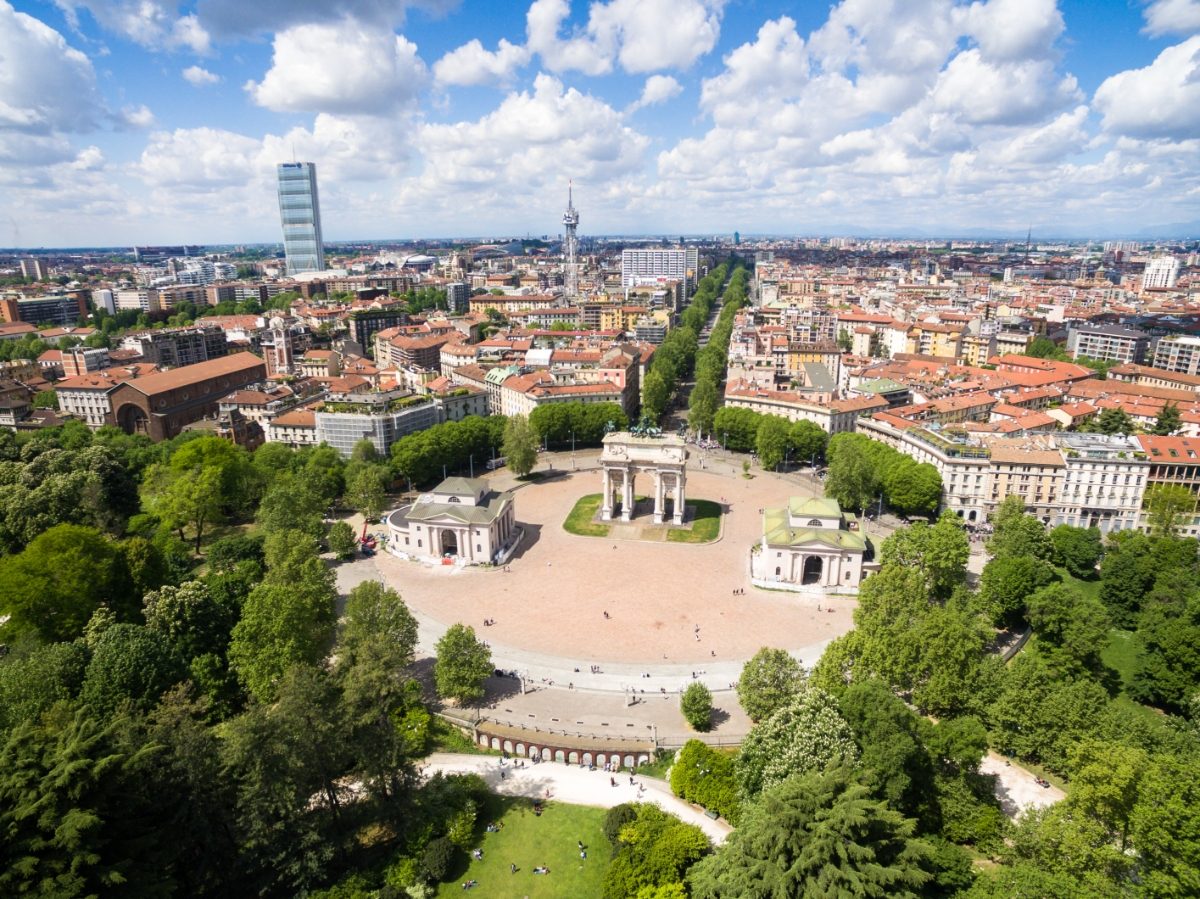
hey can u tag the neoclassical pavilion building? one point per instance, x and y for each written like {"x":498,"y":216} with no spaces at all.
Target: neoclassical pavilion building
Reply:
{"x":809,"y":545}
{"x":462,"y":519}
{"x":625,"y":456}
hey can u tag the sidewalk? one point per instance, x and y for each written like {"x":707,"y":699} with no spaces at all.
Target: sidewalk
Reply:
{"x":574,"y":785}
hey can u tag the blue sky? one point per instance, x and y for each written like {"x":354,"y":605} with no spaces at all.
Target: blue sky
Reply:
{"x":155,"y":121}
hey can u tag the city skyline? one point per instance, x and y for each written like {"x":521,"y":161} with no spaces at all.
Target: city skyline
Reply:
{"x":157,"y":122}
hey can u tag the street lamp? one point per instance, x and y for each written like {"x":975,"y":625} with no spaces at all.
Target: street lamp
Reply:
{"x":572,"y":450}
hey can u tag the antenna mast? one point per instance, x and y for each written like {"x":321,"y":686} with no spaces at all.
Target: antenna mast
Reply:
{"x":571,"y":245}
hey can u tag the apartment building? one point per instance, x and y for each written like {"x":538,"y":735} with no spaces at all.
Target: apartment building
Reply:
{"x":1114,"y":342}
{"x":54,"y":310}
{"x":1175,"y":461}
{"x":1104,"y":481}
{"x":1178,"y":353}
{"x":660,"y":264}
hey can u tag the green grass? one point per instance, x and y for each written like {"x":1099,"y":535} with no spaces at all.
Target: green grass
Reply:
{"x":706,"y":524}
{"x":580,"y":520}
{"x":528,"y":841}
{"x":1121,"y":654}
{"x":1087,"y":588}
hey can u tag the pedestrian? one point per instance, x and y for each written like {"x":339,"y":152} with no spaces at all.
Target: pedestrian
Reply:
{"x":579,"y":843}
{"x":512,"y":868}
{"x":583,"y":854}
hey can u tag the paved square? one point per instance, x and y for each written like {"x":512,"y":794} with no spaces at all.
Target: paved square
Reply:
{"x":666,"y":603}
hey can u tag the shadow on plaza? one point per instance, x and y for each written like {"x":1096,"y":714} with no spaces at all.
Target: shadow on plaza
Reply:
{"x":532,"y":533}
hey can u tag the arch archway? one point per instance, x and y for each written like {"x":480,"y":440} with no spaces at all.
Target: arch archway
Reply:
{"x":813,"y":566}
{"x":132,"y":419}
{"x":449,"y":543}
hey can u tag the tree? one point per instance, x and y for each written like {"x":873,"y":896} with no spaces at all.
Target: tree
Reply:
{"x":181,"y":498}
{"x":1168,"y":421}
{"x":817,"y":834}
{"x":1045,"y":348}
{"x":807,"y":440}
{"x":31,"y":683}
{"x":1111,"y":421}
{"x":1125,"y":577}
{"x":807,"y":734}
{"x":281,"y":625}
{"x":702,"y":406}
{"x":463,"y":665}
{"x":656,"y":393}
{"x":770,"y":680}
{"x":290,"y":503}
{"x":940,"y":551}
{"x":1017,"y":534}
{"x":851,"y":479}
{"x":893,"y":759}
{"x":912,"y":488}
{"x":377,"y":616}
{"x":520,"y":446}
{"x":1167,"y":506}
{"x":1077,"y":549}
{"x":696,"y":704}
{"x":130,"y":663}
{"x":1071,"y":621}
{"x":343,"y":542}
{"x":55,"y":584}
{"x":1008,"y":581}
{"x":191,"y":618}
{"x":1165,"y":825}
{"x":771,"y":442}
{"x":366,"y":489}
{"x":653,"y":851}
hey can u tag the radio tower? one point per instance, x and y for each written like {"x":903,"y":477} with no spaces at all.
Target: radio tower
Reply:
{"x":571,"y":245}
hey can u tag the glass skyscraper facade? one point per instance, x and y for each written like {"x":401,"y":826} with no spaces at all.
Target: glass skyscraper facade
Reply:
{"x":300,"y":213}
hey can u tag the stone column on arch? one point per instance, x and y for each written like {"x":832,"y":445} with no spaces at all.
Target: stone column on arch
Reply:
{"x":606,"y":501}
{"x":679,"y":496}
{"x":626,"y":495}
{"x":660,"y":497}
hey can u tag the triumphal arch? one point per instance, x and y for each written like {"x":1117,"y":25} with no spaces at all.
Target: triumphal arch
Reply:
{"x":626,"y":455}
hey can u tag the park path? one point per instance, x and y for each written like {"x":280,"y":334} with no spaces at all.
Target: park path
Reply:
{"x":573,"y":785}
{"x":1016,"y":788}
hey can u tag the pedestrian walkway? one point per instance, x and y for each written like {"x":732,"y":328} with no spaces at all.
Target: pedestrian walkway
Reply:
{"x":574,"y":785}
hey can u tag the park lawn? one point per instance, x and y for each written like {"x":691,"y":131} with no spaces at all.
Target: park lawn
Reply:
{"x":1121,"y":654}
{"x":1087,"y":588}
{"x":706,"y":525}
{"x":580,"y":522}
{"x":527,"y":841}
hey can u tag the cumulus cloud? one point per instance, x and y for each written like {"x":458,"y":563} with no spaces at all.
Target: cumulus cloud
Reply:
{"x":980,"y":92}
{"x":642,"y":35}
{"x":198,"y":76}
{"x":658,"y":89}
{"x":1161,"y":100}
{"x":1013,"y":29}
{"x":1172,"y":17}
{"x":237,"y":18}
{"x":136,"y":117}
{"x":152,"y":23}
{"x":45,"y":84}
{"x":341,"y":68}
{"x":471,"y":64}
{"x":532,"y":138}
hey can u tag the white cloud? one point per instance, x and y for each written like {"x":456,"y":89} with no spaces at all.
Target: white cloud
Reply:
{"x":642,"y":35}
{"x":1172,"y":17}
{"x":237,"y":18}
{"x":976,"y":91}
{"x":198,"y":76}
{"x":45,"y":84}
{"x":581,"y":52}
{"x":657,"y":34}
{"x":471,"y":64}
{"x":153,"y":24}
{"x":658,"y":89}
{"x":532,"y":139}
{"x":341,"y":68}
{"x":136,"y":117}
{"x":1013,"y":29}
{"x":1161,"y":100}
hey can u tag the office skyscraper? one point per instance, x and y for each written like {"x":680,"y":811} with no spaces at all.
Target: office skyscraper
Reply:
{"x":300,"y":213}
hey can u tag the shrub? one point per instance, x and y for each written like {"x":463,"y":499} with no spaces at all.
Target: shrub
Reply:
{"x":437,"y":858}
